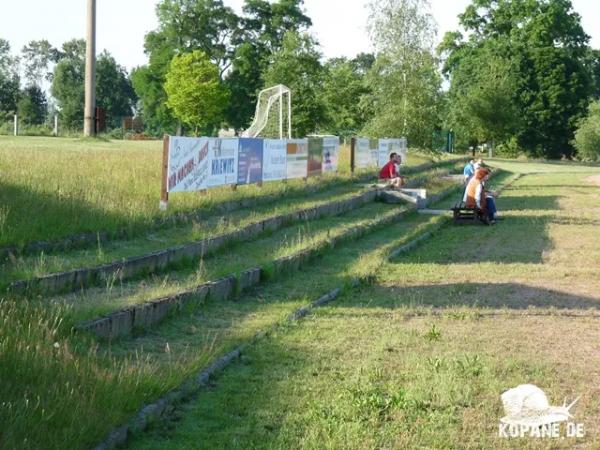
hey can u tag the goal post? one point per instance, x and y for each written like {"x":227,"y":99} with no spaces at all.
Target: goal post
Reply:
{"x":271,"y":118}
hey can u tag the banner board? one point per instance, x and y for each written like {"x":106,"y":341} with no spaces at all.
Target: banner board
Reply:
{"x":331,"y":151}
{"x":366,"y":153}
{"x":250,"y":161}
{"x":274,"y":160}
{"x":388,"y":146}
{"x":223,"y":162}
{"x":189,"y":164}
{"x":297,"y":158}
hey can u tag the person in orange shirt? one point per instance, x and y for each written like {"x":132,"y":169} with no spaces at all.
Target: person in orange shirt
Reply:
{"x":389,"y":174}
{"x":476,"y":195}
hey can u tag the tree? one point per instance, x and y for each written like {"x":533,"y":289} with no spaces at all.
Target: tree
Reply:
{"x":545,"y":48}
{"x":33,"y":105}
{"x":481,"y":106}
{"x":37,"y":57}
{"x":9,"y":79}
{"x":114,"y":91}
{"x":195,"y":93}
{"x":261,"y":33}
{"x":68,"y":83}
{"x":297,"y":65}
{"x":404,"y":78}
{"x":343,"y":89}
{"x":183,"y":26}
{"x":587,"y":136}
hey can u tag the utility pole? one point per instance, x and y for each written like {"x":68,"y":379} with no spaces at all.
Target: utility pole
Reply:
{"x":89,"y":125}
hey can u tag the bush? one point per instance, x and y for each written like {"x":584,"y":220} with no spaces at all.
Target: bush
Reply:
{"x":587,"y":136}
{"x":509,"y":149}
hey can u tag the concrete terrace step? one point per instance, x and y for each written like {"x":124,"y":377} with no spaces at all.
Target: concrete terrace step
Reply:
{"x":72,"y":280}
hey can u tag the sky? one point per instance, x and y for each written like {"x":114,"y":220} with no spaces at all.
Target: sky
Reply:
{"x":339,"y":25}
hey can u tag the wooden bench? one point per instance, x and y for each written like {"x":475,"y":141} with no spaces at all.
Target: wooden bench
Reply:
{"x":463,"y":214}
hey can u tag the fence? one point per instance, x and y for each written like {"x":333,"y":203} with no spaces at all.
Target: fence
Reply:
{"x":13,"y":126}
{"x":196,"y":164}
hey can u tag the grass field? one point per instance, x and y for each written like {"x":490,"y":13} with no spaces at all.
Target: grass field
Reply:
{"x":416,"y":357}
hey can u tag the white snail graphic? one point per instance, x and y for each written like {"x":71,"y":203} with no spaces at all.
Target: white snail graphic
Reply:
{"x":527,"y":405}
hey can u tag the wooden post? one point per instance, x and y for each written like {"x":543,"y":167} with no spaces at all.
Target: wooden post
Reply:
{"x":352,"y":155}
{"x":16,"y":125}
{"x":164,"y":191}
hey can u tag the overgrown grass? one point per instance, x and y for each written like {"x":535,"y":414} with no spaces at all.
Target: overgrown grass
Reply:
{"x":24,"y":267}
{"x":54,"y":187}
{"x":163,"y":358}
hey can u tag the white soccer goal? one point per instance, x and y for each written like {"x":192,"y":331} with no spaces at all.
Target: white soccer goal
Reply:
{"x":270,"y":113}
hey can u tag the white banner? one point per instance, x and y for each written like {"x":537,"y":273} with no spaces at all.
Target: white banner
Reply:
{"x":274,"y":160}
{"x":331,"y":151}
{"x":297,"y":158}
{"x":189,"y":164}
{"x":366,"y":153}
{"x":388,"y":146}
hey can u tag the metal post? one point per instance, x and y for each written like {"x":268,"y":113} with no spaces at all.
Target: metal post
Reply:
{"x":16,"y":126}
{"x":89,"y":125}
{"x":280,"y":112}
{"x":289,"y":114}
{"x":164,"y":191}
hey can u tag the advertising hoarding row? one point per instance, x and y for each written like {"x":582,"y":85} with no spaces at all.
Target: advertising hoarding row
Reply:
{"x":200,"y":163}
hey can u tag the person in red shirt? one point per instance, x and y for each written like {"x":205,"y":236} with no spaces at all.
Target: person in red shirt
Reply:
{"x":389,"y":173}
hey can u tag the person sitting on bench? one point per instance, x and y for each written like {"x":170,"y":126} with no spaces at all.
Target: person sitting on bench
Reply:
{"x":389,"y":174}
{"x":477,"y":197}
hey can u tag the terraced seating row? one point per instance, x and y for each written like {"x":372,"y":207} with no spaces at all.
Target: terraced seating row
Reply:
{"x":158,"y":261}
{"x":149,"y":313}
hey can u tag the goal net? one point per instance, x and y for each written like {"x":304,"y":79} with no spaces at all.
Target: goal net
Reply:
{"x":273,"y":116}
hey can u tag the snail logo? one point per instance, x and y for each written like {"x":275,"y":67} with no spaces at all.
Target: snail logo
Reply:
{"x":528,"y":413}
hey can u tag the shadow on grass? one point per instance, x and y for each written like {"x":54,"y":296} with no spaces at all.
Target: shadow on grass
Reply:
{"x":33,"y":215}
{"x":472,"y":295}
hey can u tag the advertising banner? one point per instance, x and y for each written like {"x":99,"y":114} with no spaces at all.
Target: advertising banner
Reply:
{"x":366,"y":153}
{"x":274,"y":160}
{"x":387,"y":146}
{"x":315,"y":156}
{"x":331,"y":151}
{"x":223,"y":161}
{"x":189,"y":164}
{"x":297,"y":158}
{"x":250,"y":161}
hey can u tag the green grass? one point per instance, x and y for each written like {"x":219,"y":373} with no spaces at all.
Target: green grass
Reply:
{"x":420,"y":358}
{"x":416,"y":358}
{"x":127,"y":373}
{"x":55,"y":187}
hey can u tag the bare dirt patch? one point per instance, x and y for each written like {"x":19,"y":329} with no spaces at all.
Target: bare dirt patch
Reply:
{"x":594,"y":179}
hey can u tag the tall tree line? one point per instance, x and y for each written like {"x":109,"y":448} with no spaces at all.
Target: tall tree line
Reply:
{"x":22,"y":82}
